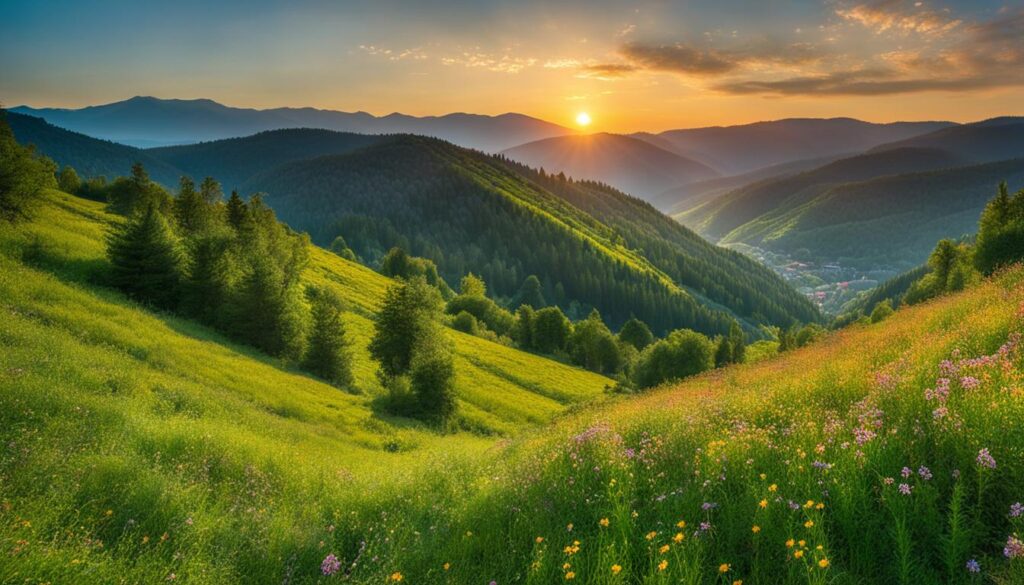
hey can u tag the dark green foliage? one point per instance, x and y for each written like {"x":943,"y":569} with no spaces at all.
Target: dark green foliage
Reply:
{"x":191,"y":210}
{"x":683,"y":353}
{"x":723,"y":352}
{"x":593,"y":346}
{"x":636,"y":333}
{"x":466,"y":323}
{"x":522,"y":331}
{"x":236,"y":211}
{"x":881,"y":311}
{"x":469,"y":212}
{"x":146,"y":259}
{"x":408,"y":313}
{"x":551,"y":330}
{"x":432,"y":376}
{"x":738,"y":343}
{"x":951,"y":268}
{"x":268,"y":310}
{"x":530,"y":294}
{"x":131,"y":195}
{"x":340,"y":247}
{"x":893,"y":289}
{"x":484,"y":310}
{"x":213,"y":274}
{"x":1000,"y":231}
{"x":23,"y":174}
{"x":68,"y":180}
{"x":808,"y":334}
{"x":327,"y":353}
{"x":397,"y":263}
{"x":210,"y":191}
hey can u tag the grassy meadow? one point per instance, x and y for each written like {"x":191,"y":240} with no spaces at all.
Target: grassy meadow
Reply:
{"x":140,"y":448}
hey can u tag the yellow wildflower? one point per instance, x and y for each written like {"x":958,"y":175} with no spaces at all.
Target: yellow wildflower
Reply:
{"x":755,"y":529}
{"x":681,"y":524}
{"x":823,"y":563}
{"x":809,"y":524}
{"x":616,"y":569}
{"x":763,"y":503}
{"x":603,"y":522}
{"x":650,"y":535}
{"x":663,"y":565}
{"x":396,"y":576}
{"x":570,"y":576}
{"x":789,"y":543}
{"x":663,"y":549}
{"x":678,"y":537}
{"x":773,"y":488}
{"x":724,"y":568}
{"x":539,"y":539}
{"x":797,"y":554}
{"x":809,"y":504}
{"x":802,"y":543}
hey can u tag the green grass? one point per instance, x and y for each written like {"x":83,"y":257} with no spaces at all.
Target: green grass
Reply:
{"x":119,"y":425}
{"x":107,"y":406}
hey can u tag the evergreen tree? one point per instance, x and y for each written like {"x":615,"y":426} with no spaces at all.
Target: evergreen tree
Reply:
{"x":210,"y":191}
{"x":191,"y":209}
{"x":530,"y":293}
{"x":551,"y":330}
{"x":409,"y":310}
{"x":523,"y":329}
{"x":268,"y":313}
{"x":636,"y":333}
{"x":212,"y":275}
{"x":236,"y":211}
{"x":147,"y":259}
{"x":23,"y":175}
{"x":723,"y":352}
{"x":68,"y":180}
{"x":327,"y":353}
{"x":432,"y":375}
{"x":737,"y":343}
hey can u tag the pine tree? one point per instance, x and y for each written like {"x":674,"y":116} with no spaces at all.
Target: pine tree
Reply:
{"x":432,"y":375}
{"x":210,"y":191}
{"x":268,"y":312}
{"x":190,"y":208}
{"x":530,"y":293}
{"x":236,"y":211}
{"x":147,"y":259}
{"x":409,"y":310}
{"x":327,"y":354}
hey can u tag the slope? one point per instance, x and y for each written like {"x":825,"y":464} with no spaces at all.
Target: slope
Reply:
{"x":149,"y":121}
{"x":725,"y":213}
{"x":631,"y":165}
{"x":893,"y":220}
{"x":470,"y":212}
{"x":91,"y":157}
{"x":127,"y":467}
{"x":743,"y":148}
{"x":986,"y":141}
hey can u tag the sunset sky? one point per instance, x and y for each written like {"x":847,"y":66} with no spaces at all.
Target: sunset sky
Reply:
{"x":632,"y":65}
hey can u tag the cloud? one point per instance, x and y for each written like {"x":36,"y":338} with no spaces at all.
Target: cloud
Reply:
{"x":865,"y":82}
{"x":678,"y":57}
{"x":606,"y":71}
{"x":901,"y":16}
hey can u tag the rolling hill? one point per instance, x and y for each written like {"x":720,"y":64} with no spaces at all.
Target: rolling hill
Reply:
{"x":744,"y":148}
{"x":143,"y":448}
{"x":471,"y":212}
{"x":631,"y":165}
{"x":149,"y":121}
{"x":91,"y":157}
{"x":986,"y":141}
{"x":725,"y":213}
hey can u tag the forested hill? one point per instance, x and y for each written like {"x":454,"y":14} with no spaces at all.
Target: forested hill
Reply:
{"x":91,"y":157}
{"x":471,"y":212}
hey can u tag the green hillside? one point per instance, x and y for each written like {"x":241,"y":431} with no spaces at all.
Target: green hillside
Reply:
{"x":868,"y":223}
{"x":143,"y":448}
{"x":725,"y":213}
{"x":470,"y":212}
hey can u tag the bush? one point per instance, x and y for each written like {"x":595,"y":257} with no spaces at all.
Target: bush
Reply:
{"x":881,"y":311}
{"x":551,"y":330}
{"x":23,"y":174}
{"x":465,"y":323}
{"x":683,"y":353}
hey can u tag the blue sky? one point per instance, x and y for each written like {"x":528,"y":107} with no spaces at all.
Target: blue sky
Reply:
{"x":635,"y":64}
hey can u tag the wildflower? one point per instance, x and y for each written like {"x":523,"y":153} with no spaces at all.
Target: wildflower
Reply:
{"x":905,"y":489}
{"x":539,"y":539}
{"x":773,"y":488}
{"x":906,"y":472}
{"x":708,"y":506}
{"x":798,"y":554}
{"x":650,"y":535}
{"x":1016,"y":510}
{"x":969,"y":382}
{"x":823,"y":563}
{"x":446,"y":566}
{"x":973,"y":566}
{"x":755,"y":529}
{"x":809,"y":524}
{"x":678,"y":537}
{"x":109,"y":512}
{"x":616,"y":569}
{"x":603,"y":522}
{"x":570,"y":576}
{"x":724,"y":568}
{"x":888,"y":481}
{"x":663,"y":565}
{"x":802,"y":543}
{"x":145,"y":539}
{"x":569,"y":527}
{"x":738,"y":582}
{"x":396,"y":576}
{"x":819,"y":506}
{"x":330,"y":565}
{"x":681,"y":524}
{"x":1014,"y":548}
{"x":940,"y":413}
{"x":763,"y":477}
{"x":664,"y":549}
{"x":790,"y":543}
{"x":924,"y":473}
{"x":985,"y":459}
{"x":763,"y":503}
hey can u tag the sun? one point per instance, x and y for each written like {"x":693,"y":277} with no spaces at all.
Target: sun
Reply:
{"x":583,"y":119}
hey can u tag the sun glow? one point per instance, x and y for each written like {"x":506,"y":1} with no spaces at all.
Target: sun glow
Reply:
{"x":582,"y":119}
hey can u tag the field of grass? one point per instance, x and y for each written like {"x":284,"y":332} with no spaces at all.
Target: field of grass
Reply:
{"x":124,"y":428}
{"x":144,"y":449}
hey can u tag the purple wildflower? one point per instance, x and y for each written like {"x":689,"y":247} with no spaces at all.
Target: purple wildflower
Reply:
{"x":973,"y":566}
{"x":985,"y":459}
{"x":1016,"y":510}
{"x":924,"y":472}
{"x":969,"y":382}
{"x":905,"y":489}
{"x":330,"y":565}
{"x":708,"y":506}
{"x":940,"y":413}
{"x":1014,"y":548}
{"x":906,"y":472}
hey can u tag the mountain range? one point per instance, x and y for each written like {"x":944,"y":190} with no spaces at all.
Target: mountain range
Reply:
{"x":149,"y":122}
